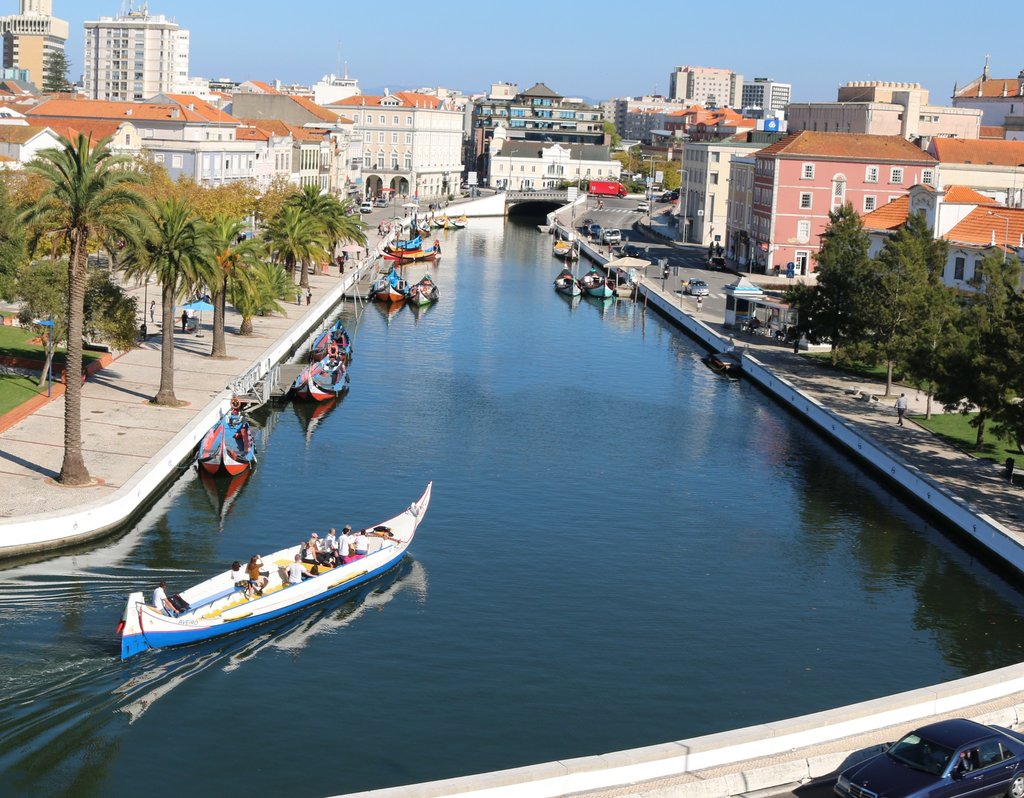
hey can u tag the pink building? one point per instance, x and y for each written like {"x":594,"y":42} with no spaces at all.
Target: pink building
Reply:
{"x":800,"y":179}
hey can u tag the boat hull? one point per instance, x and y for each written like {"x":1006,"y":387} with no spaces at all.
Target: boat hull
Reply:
{"x":227,"y":449}
{"x":145,"y":628}
{"x":319,"y":384}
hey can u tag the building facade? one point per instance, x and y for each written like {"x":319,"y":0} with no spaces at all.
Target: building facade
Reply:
{"x":995,"y":168}
{"x":799,"y":180}
{"x":1000,"y":101}
{"x":134,"y":56}
{"x":739,"y":222}
{"x":31,"y":37}
{"x":704,"y":201}
{"x":886,"y":109}
{"x":537,"y":114}
{"x":524,"y":165}
{"x":766,"y":93}
{"x":410,"y":144}
{"x":707,"y":86}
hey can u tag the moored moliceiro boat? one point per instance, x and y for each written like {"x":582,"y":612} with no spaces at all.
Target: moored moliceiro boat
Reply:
{"x":336,"y":334}
{"x":597,"y":285}
{"x":424,"y":292}
{"x":322,"y":379}
{"x":566,"y":283}
{"x":228,"y":447}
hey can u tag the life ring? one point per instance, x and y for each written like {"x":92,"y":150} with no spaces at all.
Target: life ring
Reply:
{"x":236,"y":404}
{"x":332,"y":350}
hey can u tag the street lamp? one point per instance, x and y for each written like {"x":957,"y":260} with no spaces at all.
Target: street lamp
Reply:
{"x":49,"y":354}
{"x":1006,"y":234}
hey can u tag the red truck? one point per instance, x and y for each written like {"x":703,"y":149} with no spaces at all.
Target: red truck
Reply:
{"x":607,"y":188}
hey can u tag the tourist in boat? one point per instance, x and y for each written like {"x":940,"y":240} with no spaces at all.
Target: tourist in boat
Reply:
{"x":331,"y":542}
{"x":296,"y":572}
{"x":345,"y":543}
{"x":362,"y":544}
{"x":160,"y":600}
{"x":257,"y":577}
{"x":311,"y":550}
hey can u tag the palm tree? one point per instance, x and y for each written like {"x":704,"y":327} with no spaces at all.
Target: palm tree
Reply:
{"x":88,"y":192}
{"x":231,"y":256}
{"x":336,"y":222}
{"x":258,"y":290}
{"x":294,"y":237}
{"x":175,"y":250}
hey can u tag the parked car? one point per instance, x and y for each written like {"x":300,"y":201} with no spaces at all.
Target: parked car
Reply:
{"x":633,"y":251}
{"x":696,"y":287}
{"x":595,"y":230}
{"x":670,"y":196}
{"x":366,"y":207}
{"x":643,"y":206}
{"x":951,"y":758}
{"x":716,"y":262}
{"x":380,"y":202}
{"x":611,"y":236}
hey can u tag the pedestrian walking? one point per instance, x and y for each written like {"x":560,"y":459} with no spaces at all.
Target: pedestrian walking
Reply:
{"x":309,"y":295}
{"x":298,"y":296}
{"x":700,"y":303}
{"x":184,"y":321}
{"x":152,"y":312}
{"x":901,"y":408}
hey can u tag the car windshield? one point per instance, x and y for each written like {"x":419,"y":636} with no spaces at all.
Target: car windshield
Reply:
{"x":921,"y":754}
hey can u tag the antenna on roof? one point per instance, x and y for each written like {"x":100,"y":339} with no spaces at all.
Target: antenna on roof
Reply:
{"x":984,"y":72}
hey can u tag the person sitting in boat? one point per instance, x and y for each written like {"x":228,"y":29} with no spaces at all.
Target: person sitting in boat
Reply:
{"x":361,"y":543}
{"x":345,"y":543}
{"x":239,"y":577}
{"x":257,"y":576}
{"x":310,"y":551}
{"x":161,"y":602}
{"x":296,"y":572}
{"x":331,"y":541}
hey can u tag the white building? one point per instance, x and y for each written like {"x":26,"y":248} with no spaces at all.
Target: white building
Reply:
{"x":767,"y":94}
{"x":708,"y":86}
{"x":519,"y":165}
{"x":31,"y":36}
{"x":331,"y":89}
{"x":134,"y":56}
{"x":411,"y":143}
{"x":706,"y":179}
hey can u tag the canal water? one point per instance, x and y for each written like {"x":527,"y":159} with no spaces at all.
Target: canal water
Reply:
{"x":623,"y":549}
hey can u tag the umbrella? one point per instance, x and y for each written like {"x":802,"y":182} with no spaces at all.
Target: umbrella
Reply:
{"x":352,"y":248}
{"x":411,"y":205}
{"x":199,"y":305}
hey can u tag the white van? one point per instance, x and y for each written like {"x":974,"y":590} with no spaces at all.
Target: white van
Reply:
{"x":366,"y":207}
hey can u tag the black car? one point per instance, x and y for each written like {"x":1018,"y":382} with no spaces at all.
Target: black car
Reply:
{"x":669,"y":196}
{"x":716,"y":262}
{"x":951,"y":758}
{"x":633,"y":251}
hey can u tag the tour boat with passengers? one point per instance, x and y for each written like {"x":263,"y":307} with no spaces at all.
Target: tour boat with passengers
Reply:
{"x":220,"y":606}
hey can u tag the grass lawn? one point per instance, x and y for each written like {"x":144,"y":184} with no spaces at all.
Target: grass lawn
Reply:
{"x":956,"y":429}
{"x":24,"y":342}
{"x":15,"y":390}
{"x":875,"y":372}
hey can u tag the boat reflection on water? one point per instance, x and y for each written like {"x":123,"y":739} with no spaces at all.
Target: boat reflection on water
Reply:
{"x":312,"y":413}
{"x":572,"y":302}
{"x":603,"y":304}
{"x":148,"y":686}
{"x":419,"y":311}
{"x":389,"y":309}
{"x":222,"y":492}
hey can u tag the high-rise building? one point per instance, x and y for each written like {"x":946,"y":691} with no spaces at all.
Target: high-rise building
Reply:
{"x":31,"y":36}
{"x":766,"y":93}
{"x":707,"y":86}
{"x":134,"y":56}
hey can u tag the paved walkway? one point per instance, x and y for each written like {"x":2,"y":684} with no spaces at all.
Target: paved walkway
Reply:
{"x":121,"y":430}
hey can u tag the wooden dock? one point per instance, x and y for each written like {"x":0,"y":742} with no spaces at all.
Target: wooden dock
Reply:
{"x":287,"y":373}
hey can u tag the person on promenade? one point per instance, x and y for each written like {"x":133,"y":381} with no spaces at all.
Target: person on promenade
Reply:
{"x":309,"y":295}
{"x":160,"y":600}
{"x":184,"y":321}
{"x":700,"y":303}
{"x":152,"y":312}
{"x":901,"y":408}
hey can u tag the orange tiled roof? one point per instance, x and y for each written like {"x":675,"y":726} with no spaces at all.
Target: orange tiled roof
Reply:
{"x":279,"y":128}
{"x":94,"y":129}
{"x":993,"y":87}
{"x":410,"y":99}
{"x":979,"y":151}
{"x":983,"y":227}
{"x":184,"y":107}
{"x":967,"y":196}
{"x":889,"y":216}
{"x":252,"y":134}
{"x":266,"y":88}
{"x":19,"y":134}
{"x":847,"y":146}
{"x":321,"y":113}
{"x":992,"y":132}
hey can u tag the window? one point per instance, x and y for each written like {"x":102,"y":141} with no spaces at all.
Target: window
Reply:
{"x":870,"y":203}
{"x":394,"y":119}
{"x":807,"y":172}
{"x":408,"y":138}
{"x":394,"y":138}
{"x":871,"y":174}
{"x":176,"y":161}
{"x":408,"y":120}
{"x":714,"y":178}
{"x":368,"y":137}
{"x":394,"y":160}
{"x":408,"y":160}
{"x":380,"y":160}
{"x":958,"y":268}
{"x":380,"y":137}
{"x":383,"y":119}
{"x":715,"y":156}
{"x":838,"y":191}
{"x":803,"y":231}
{"x":927,"y":176}
{"x":896,"y":175}
{"x":805,"y":200}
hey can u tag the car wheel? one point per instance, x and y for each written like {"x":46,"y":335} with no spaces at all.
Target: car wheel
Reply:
{"x":1016,"y":787}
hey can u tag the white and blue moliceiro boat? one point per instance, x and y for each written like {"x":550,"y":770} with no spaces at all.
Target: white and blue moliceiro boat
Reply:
{"x":217,"y":607}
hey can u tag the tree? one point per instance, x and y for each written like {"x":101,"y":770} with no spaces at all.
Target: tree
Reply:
{"x":231,"y":256}
{"x":336,"y":224}
{"x":901,"y":282}
{"x":55,"y":72}
{"x":13,"y":253}
{"x":837,"y":309}
{"x":172,"y":248}
{"x":614,"y":139}
{"x":259,"y":292}
{"x":982,"y":365}
{"x":294,"y":237}
{"x":87,"y":191}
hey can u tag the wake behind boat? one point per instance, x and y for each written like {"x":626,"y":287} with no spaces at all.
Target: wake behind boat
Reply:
{"x":217,"y":607}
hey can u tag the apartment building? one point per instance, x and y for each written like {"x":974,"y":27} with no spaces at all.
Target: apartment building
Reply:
{"x":707,"y":86}
{"x":31,"y":36}
{"x":766,"y":93}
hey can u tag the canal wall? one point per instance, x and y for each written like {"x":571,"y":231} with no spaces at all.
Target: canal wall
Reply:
{"x":44,"y":531}
{"x":494,"y":205}
{"x":793,"y":750}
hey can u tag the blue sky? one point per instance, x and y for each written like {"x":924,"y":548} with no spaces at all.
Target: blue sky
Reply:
{"x":591,"y":48}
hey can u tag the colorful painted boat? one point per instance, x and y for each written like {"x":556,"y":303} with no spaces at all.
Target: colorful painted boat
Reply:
{"x":217,"y":607}
{"x":566,"y":283}
{"x":597,"y":285}
{"x":424,"y":292}
{"x":390,"y":287}
{"x":228,"y":447}
{"x":423,"y":253}
{"x":567,"y":250}
{"x":461,"y":222}
{"x":322,"y":380}
{"x":404,"y":246}
{"x":335,"y":334}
